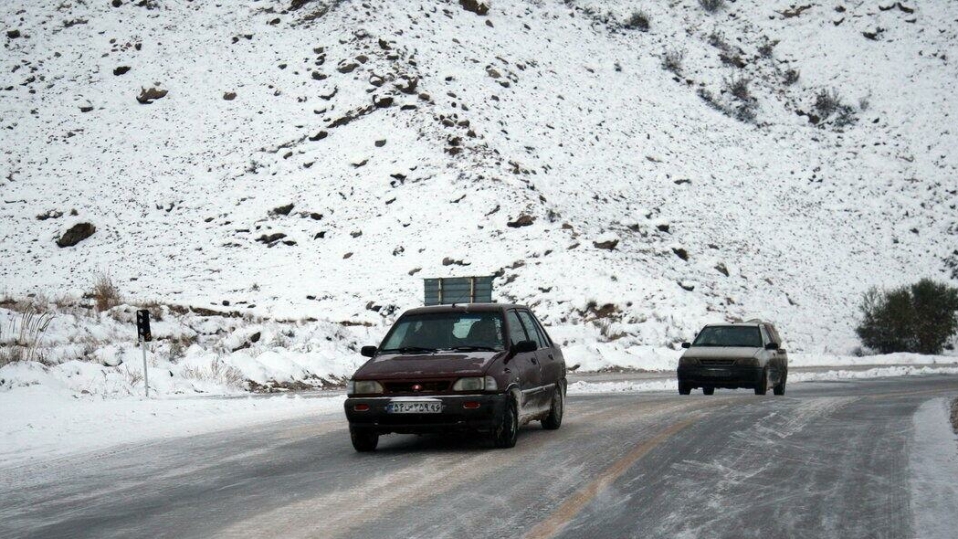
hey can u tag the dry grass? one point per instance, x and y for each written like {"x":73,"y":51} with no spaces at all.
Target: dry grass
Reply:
{"x":105,"y":293}
{"x":179,"y":346}
{"x":672,"y":60}
{"x":21,"y":340}
{"x":218,"y":372}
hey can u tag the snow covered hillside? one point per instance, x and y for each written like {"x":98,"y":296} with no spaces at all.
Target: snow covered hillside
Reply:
{"x":316,"y":159}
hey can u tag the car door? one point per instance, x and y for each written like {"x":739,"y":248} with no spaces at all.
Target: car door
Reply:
{"x":782,"y":355}
{"x":546,"y":357}
{"x":774,"y":365}
{"x":527,"y":364}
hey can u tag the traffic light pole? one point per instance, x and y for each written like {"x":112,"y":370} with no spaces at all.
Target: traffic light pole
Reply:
{"x":146,"y":374}
{"x":145,"y":335}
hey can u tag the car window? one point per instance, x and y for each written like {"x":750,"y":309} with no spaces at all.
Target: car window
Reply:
{"x":740,"y":336}
{"x":773,"y":333}
{"x":530,"y":326}
{"x":516,"y":333}
{"x":438,"y":331}
{"x":765,"y":338}
{"x":542,"y":332}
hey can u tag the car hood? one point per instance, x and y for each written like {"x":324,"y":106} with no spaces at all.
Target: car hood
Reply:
{"x":438,"y":365}
{"x":726,"y":352}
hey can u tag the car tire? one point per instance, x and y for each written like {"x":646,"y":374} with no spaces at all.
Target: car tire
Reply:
{"x":762,"y":387}
{"x":506,"y":432}
{"x":554,"y":420}
{"x":779,"y":388}
{"x":708,"y":390}
{"x":685,"y":389}
{"x":364,"y":442}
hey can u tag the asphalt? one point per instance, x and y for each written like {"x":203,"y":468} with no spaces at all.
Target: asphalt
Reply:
{"x":826,"y":460}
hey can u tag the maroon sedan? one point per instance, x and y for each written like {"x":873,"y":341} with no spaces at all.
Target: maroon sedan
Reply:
{"x":482,"y":367}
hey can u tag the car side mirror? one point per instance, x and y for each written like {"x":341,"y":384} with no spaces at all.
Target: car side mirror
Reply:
{"x":368,"y":351}
{"x":771,"y":346}
{"x":686,"y":345}
{"x":523,"y":347}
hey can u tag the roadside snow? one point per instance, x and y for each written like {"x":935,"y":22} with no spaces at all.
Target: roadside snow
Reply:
{"x":933,"y":462}
{"x":584,"y":388}
{"x":41,"y":422}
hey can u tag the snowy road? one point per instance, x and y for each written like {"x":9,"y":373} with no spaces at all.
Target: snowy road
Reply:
{"x":861,"y":458}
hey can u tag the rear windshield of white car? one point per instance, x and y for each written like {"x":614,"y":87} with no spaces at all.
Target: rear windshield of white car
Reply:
{"x":742,"y":336}
{"x":446,"y":331}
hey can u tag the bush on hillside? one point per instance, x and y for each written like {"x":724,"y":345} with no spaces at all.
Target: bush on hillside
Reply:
{"x":712,"y":5}
{"x":105,"y":293}
{"x":638,"y":21}
{"x":672,"y":60}
{"x":919,"y":318}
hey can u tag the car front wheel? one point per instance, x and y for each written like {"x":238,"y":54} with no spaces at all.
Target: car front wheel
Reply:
{"x":761,"y":387}
{"x":779,"y":388}
{"x":685,"y":389}
{"x":708,"y":390}
{"x":554,"y":420}
{"x":364,"y":442}
{"x":507,"y":431}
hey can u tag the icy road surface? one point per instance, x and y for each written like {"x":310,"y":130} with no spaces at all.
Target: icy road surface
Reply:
{"x":856,"y":458}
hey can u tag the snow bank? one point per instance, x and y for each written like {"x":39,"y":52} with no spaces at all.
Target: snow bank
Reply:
{"x":584,"y":388}
{"x":41,"y":421}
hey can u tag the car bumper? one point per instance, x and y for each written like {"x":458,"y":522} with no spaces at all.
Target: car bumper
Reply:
{"x":727,"y":377}
{"x":454,"y":416}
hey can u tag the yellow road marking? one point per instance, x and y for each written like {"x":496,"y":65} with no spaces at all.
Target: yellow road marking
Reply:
{"x":561,"y":517}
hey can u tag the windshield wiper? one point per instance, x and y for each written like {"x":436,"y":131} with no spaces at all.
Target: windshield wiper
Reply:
{"x":409,"y":349}
{"x":472,"y":348}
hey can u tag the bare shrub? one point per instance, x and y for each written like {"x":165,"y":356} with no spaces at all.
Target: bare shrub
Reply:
{"x":717,"y":40}
{"x":746,"y":112}
{"x":738,"y":87}
{"x":672,"y":60}
{"x":827,"y":102}
{"x":767,"y":48}
{"x":638,"y":21}
{"x":218,"y":372}
{"x":709,"y":98}
{"x":133,"y":377}
{"x":790,"y":77}
{"x":24,"y":337}
{"x":732,"y":58}
{"x":105,"y":293}
{"x":845,"y":116}
{"x":712,"y":6}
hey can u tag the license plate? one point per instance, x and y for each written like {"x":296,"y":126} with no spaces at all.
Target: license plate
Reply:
{"x":414,"y":407}
{"x":717,"y":374}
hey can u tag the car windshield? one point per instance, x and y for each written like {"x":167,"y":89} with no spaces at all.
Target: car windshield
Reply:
{"x":743,"y":336}
{"x":446,"y":331}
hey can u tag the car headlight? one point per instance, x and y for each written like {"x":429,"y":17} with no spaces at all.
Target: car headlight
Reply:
{"x":476,"y":384}
{"x":363,"y":387}
{"x":469,"y":384}
{"x":684,"y":361}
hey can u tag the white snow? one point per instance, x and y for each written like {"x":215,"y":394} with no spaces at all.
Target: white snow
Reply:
{"x":582,"y":387}
{"x":41,"y":422}
{"x":582,"y":129}
{"x":933,"y":467}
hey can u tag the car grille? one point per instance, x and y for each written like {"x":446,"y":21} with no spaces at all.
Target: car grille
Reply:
{"x":717,"y":362}
{"x":430,"y":386}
